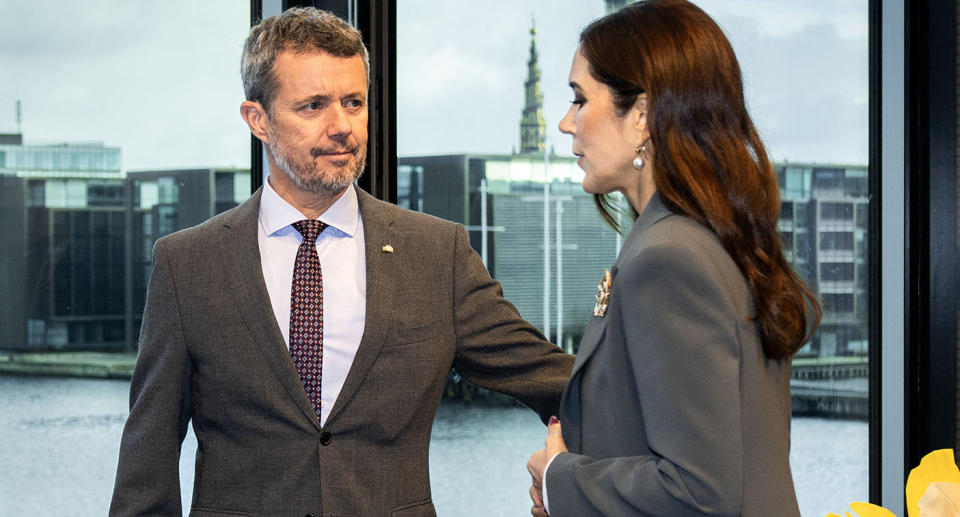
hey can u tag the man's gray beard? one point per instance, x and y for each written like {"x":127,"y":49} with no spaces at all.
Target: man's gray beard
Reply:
{"x":305,"y":177}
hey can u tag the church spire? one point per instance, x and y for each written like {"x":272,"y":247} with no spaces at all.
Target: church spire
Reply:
{"x":532,"y":125}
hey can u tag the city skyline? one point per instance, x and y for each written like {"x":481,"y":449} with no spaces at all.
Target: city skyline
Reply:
{"x":174,"y":89}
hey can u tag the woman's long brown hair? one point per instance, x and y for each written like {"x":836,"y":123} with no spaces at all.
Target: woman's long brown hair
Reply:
{"x":708,"y":160}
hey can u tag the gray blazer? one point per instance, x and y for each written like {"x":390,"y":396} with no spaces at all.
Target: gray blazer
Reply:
{"x":672,"y":408}
{"x":211,"y":352}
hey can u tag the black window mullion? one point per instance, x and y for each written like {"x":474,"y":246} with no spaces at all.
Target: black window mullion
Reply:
{"x":256,"y":147}
{"x":376,"y":20}
{"x":930,"y":376}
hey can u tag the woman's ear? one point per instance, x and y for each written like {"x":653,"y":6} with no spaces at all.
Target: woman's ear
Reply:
{"x":639,"y":113}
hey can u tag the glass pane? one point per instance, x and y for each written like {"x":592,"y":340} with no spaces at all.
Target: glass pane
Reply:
{"x":472,"y":99}
{"x":118,"y":124}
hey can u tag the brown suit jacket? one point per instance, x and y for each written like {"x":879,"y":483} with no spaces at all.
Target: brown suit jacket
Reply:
{"x":211,"y":352}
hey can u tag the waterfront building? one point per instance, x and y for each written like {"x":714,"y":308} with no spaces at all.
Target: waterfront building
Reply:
{"x":165,"y":201}
{"x":79,"y":238}
{"x":62,"y":258}
{"x":823,"y":223}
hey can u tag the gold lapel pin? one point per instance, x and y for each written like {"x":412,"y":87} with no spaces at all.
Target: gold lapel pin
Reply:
{"x":387,"y":248}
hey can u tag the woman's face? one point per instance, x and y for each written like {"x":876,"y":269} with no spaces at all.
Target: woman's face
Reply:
{"x":604,"y":142}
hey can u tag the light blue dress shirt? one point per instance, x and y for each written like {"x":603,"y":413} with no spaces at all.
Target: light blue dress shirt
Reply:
{"x":343,"y":263}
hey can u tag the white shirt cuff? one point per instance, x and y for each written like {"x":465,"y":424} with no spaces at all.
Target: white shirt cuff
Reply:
{"x":543,"y":483}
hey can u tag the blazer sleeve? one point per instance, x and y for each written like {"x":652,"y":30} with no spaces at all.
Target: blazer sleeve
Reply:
{"x":682,"y":336}
{"x":496,"y":348}
{"x":148,"y":475}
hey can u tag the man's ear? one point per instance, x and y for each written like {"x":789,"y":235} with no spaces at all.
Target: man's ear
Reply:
{"x":256,"y":118}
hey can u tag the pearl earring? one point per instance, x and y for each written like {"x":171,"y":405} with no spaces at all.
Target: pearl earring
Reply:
{"x":638,"y":162}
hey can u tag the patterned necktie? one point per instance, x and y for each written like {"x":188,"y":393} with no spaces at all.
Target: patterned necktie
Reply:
{"x":306,"y":311}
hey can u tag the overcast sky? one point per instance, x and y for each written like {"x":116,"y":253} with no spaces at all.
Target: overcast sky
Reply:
{"x":161,"y":80}
{"x":462,"y":65}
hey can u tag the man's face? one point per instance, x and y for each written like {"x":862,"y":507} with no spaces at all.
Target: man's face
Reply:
{"x":317,"y":125}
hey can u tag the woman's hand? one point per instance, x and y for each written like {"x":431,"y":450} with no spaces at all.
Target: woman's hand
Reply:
{"x":538,"y":463}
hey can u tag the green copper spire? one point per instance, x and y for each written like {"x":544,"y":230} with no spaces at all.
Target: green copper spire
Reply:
{"x":532,"y":125}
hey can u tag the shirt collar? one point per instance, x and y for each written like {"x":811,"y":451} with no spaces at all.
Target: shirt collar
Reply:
{"x":276,"y":213}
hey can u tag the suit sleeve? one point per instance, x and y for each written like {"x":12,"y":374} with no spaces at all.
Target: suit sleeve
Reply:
{"x":496,"y":348}
{"x":682,"y":334}
{"x":148,"y":476}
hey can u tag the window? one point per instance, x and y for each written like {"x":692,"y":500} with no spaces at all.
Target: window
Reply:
{"x":827,"y":178}
{"x":836,"y":271}
{"x":786,"y":239}
{"x":830,"y":241}
{"x":476,"y":162}
{"x":834,"y":210}
{"x":838,"y":302}
{"x":96,"y":97}
{"x":786,"y":211}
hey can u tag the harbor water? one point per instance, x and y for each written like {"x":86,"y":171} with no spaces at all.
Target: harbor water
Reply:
{"x":59,"y":442}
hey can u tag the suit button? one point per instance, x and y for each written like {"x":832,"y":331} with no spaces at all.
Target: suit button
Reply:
{"x":326,"y":438}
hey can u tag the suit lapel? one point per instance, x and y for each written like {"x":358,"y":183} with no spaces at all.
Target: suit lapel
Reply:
{"x":250,"y":292}
{"x":592,"y":336}
{"x":654,"y":212}
{"x":382,"y":293}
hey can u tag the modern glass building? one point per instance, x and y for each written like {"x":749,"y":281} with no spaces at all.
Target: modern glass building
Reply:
{"x":77,"y":267}
{"x":63,"y":261}
{"x":824,"y":221}
{"x":161,"y":202}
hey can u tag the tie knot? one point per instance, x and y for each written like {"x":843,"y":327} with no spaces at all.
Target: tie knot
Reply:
{"x":309,"y":228}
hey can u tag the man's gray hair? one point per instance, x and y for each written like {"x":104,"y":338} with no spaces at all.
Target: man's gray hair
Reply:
{"x":300,"y":29}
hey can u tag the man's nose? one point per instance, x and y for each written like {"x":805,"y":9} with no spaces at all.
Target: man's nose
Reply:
{"x":338,"y":124}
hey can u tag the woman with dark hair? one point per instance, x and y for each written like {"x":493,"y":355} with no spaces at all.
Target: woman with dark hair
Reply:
{"x":679,"y":402}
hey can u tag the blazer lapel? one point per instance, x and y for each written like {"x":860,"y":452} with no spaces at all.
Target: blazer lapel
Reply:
{"x":655,"y":211}
{"x":592,"y":336}
{"x":250,"y":293}
{"x":382,"y":294}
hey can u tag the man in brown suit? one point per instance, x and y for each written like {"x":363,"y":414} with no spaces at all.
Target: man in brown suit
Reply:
{"x":404,"y":300}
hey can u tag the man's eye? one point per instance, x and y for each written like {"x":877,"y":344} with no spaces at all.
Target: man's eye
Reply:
{"x":353,"y":103}
{"x":313,"y":106}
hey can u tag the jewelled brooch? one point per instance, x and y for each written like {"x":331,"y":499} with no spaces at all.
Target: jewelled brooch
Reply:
{"x":603,"y":294}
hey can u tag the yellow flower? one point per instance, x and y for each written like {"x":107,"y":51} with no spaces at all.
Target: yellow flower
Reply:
{"x":941,"y":499}
{"x":933,"y":490}
{"x":865,"y":510}
{"x":938,"y":466}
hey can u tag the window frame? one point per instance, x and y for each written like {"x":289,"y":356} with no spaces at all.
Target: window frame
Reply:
{"x":931,"y":243}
